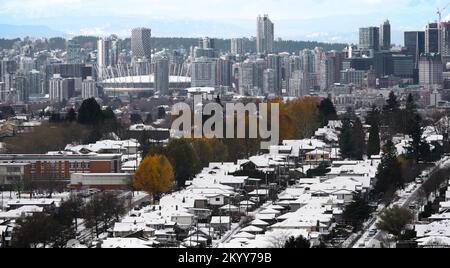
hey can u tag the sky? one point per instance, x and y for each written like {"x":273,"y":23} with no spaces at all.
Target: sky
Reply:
{"x":321,"y":20}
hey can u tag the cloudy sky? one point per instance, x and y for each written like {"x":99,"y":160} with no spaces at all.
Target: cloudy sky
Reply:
{"x":324,"y":20}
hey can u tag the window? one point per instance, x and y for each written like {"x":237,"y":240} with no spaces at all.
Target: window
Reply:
{"x":13,"y":178}
{"x":217,"y":199}
{"x":12,"y":169}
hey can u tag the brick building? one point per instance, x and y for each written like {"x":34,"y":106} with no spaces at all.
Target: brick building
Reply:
{"x":59,"y":167}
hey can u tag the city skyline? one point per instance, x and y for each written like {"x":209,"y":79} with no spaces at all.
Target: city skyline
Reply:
{"x":225,"y":20}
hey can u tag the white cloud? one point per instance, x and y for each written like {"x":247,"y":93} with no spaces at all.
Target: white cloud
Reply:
{"x":214,"y":9}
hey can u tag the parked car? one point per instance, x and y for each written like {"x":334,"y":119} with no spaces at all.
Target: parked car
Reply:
{"x":420,"y":180}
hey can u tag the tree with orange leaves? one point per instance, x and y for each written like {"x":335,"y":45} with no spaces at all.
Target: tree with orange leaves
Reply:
{"x":154,"y":175}
{"x":299,"y":119}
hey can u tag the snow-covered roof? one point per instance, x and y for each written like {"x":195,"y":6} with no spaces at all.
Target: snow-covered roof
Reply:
{"x":220,"y":220}
{"x":252,"y":229}
{"x":126,"y":243}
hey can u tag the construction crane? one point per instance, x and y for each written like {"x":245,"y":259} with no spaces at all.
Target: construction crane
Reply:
{"x":440,"y":11}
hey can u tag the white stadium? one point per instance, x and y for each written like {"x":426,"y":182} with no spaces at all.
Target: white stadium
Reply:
{"x":142,"y":83}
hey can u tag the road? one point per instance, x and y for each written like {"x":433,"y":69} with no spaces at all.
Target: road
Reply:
{"x":228,"y":237}
{"x":86,"y":234}
{"x":403,"y":201}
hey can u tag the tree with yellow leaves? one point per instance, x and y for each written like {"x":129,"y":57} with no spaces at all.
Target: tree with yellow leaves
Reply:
{"x":154,"y":175}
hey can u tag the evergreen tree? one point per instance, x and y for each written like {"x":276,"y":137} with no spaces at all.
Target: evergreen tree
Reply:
{"x":391,"y":114}
{"x":345,"y":139}
{"x":357,"y":212}
{"x":184,"y":160}
{"x":327,"y":111}
{"x":373,"y":117}
{"x":358,"y":140}
{"x":373,"y":145}
{"x":71,"y":115}
{"x":419,"y":148}
{"x":90,"y":113}
{"x":389,"y":175}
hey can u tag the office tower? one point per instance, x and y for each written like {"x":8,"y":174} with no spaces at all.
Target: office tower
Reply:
{"x":445,"y":26}
{"x":21,"y":90}
{"x":89,"y":89}
{"x":352,"y":76}
{"x":26,"y":64}
{"x":73,"y":52}
{"x":7,"y":67}
{"x":258,"y":78}
{"x":308,"y":61}
{"x":203,"y":72}
{"x":264,"y":35}
{"x":385,"y":36}
{"x":269,"y":82}
{"x":57,"y":90}
{"x":208,"y":43}
{"x":430,"y":70}
{"x":415,"y":45}
{"x":140,"y":43}
{"x":327,"y":73}
{"x":274,"y":63}
{"x":103,"y":57}
{"x":35,"y":82}
{"x":200,"y":52}
{"x":299,"y":84}
{"x":162,"y":75}
{"x":369,"y":38}
{"x":402,"y":66}
{"x":224,"y":71}
{"x":432,"y":38}
{"x":237,"y":46}
{"x":116,"y":47}
{"x":2,"y":92}
{"x":247,"y":71}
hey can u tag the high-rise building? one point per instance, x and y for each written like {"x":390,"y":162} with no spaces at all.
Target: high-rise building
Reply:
{"x":352,"y":76}
{"x":385,"y":36}
{"x":327,"y":73}
{"x":430,"y":70}
{"x":237,"y":46}
{"x":274,"y":63}
{"x":203,"y":72}
{"x":415,"y":45}
{"x":299,"y":84}
{"x":103,"y":57}
{"x":369,"y":38}
{"x":247,"y":71}
{"x":89,"y":89}
{"x":21,"y":89}
{"x":269,"y":82}
{"x":433,"y":38}
{"x":308,"y":61}
{"x":445,"y":26}
{"x":208,"y":43}
{"x":35,"y":82}
{"x":140,"y":43}
{"x":224,"y":71}
{"x":57,"y":89}
{"x":162,"y":75}
{"x":265,"y":35}
{"x":73,"y":52}
{"x":116,"y":47}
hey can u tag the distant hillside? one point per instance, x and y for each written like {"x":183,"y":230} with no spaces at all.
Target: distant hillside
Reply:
{"x":20,"y":31}
{"x":7,"y":43}
{"x":159,"y":43}
{"x":249,"y":45}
